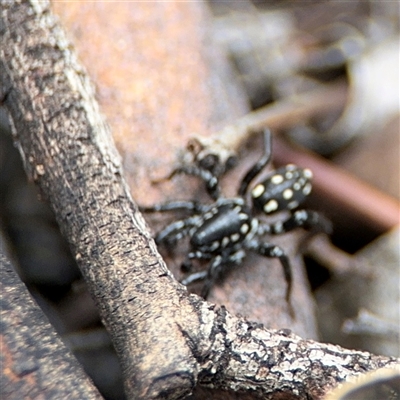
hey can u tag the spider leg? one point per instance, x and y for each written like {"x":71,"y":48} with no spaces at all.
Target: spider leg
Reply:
{"x":259,"y":165}
{"x":180,"y":205}
{"x":273,"y":251}
{"x":195,"y":277}
{"x":187,"y":264}
{"x":210,"y":275}
{"x":211,"y":181}
{"x":310,"y":220}
{"x":217,"y":266}
{"x":176,"y":230}
{"x":213,"y":272}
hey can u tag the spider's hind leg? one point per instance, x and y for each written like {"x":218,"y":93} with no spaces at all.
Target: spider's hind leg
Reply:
{"x":273,"y":251}
{"x":310,"y":220}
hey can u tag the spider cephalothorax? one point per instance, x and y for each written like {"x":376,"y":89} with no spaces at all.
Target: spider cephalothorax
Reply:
{"x":223,"y":231}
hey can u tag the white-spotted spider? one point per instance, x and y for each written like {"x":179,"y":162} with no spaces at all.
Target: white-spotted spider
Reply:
{"x":223,"y":231}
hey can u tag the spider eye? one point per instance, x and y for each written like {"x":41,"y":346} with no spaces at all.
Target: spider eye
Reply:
{"x":284,"y":188}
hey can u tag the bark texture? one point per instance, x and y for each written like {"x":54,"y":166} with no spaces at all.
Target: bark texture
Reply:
{"x":35,"y":362}
{"x":167,"y":341}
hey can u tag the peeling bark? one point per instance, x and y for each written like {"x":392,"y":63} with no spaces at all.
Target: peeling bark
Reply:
{"x":167,"y":340}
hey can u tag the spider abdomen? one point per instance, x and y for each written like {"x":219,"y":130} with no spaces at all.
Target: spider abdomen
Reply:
{"x":285,"y":188}
{"x":223,"y":227}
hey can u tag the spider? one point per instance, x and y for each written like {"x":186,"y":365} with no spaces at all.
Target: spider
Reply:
{"x":222,"y":232}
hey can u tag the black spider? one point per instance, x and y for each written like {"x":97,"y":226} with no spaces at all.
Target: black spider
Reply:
{"x":223,"y":231}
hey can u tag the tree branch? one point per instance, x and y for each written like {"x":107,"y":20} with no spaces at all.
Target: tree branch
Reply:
{"x":35,"y":362}
{"x":167,"y":340}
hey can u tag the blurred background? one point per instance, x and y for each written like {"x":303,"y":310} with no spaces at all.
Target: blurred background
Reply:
{"x":166,"y":71}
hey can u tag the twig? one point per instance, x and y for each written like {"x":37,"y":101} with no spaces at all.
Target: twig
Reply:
{"x":279,"y":115}
{"x":35,"y":362}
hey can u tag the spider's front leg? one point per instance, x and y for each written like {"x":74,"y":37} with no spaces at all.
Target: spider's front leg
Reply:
{"x":187,"y":265}
{"x":211,"y":181}
{"x":176,"y":231}
{"x":178,"y":205}
{"x":215,"y":269}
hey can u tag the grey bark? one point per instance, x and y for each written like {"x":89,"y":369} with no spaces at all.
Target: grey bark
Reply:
{"x":35,"y":362}
{"x":167,"y":340}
